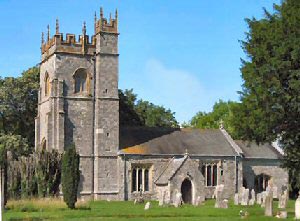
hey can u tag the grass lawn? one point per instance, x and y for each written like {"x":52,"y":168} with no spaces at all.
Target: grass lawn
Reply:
{"x":54,"y":209}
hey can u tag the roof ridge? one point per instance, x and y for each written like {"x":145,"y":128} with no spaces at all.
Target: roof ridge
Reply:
{"x":165,"y":169}
{"x":236,"y":147}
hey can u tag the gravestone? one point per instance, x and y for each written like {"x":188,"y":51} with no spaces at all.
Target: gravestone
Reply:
{"x":147,"y":206}
{"x":162,"y":199}
{"x":178,"y":200}
{"x":219,"y":188}
{"x":252,"y":200}
{"x":263,"y":197}
{"x":236,"y":199}
{"x":281,"y":215}
{"x":283,"y":199}
{"x":241,"y":191}
{"x":297,"y":207}
{"x":199,"y":200}
{"x":139,"y":199}
{"x":259,"y":198}
{"x":269,"y":204}
{"x":245,"y":198}
{"x":220,"y":201}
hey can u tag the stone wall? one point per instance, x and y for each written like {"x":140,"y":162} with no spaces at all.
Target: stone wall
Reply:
{"x":253,"y":167}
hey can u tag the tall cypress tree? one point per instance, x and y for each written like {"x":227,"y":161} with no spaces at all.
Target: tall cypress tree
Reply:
{"x":70,"y":175}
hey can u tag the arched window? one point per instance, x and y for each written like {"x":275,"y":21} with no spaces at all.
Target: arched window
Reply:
{"x":81,"y":81}
{"x":47,"y":84}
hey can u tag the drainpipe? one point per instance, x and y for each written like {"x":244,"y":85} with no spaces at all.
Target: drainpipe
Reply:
{"x":236,"y":174}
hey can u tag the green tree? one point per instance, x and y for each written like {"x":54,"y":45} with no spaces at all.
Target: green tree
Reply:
{"x":70,"y":176}
{"x":222,"y":112}
{"x":270,"y":107}
{"x":18,"y":104}
{"x":135,"y":112}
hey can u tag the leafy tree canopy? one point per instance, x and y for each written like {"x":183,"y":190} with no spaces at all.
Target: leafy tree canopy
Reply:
{"x":143,"y":113}
{"x":270,"y":95}
{"x":18,"y":104}
{"x":221,"y":113}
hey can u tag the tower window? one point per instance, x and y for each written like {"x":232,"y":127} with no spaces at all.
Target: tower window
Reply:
{"x":47,"y":84}
{"x":81,"y":81}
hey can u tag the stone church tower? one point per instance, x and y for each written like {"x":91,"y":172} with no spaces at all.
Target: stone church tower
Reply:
{"x":78,"y":103}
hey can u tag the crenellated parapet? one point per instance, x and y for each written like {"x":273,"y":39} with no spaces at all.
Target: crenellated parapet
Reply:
{"x":58,"y":44}
{"x":83,"y":45}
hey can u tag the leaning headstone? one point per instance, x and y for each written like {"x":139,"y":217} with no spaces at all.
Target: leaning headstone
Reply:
{"x":269,"y":204}
{"x":147,"y":206}
{"x":236,"y":199}
{"x":252,"y":200}
{"x":178,"y":200}
{"x":297,"y":207}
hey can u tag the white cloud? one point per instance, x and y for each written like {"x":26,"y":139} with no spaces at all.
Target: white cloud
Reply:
{"x":179,"y":90}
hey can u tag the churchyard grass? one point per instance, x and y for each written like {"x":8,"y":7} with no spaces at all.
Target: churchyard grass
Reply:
{"x":53,"y":209}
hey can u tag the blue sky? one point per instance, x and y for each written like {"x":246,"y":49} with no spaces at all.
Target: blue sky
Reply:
{"x":184,"y":55}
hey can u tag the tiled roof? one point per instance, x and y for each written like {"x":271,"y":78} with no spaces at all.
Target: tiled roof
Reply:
{"x":253,"y":150}
{"x":202,"y":142}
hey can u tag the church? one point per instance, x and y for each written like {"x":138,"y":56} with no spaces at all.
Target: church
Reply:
{"x":78,"y":103}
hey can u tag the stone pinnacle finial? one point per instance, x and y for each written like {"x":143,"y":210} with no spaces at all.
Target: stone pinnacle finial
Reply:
{"x":109,"y":17}
{"x":48,"y":33}
{"x":116,"y":14}
{"x":57,"y":27}
{"x":43,"y":40}
{"x":95,"y":22}
{"x":84,"y":29}
{"x":101,"y":12}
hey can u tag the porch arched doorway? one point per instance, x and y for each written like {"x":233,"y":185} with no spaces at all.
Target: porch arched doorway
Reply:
{"x":186,"y":191}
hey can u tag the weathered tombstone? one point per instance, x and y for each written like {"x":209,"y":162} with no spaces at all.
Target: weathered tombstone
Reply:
{"x":245,"y":198}
{"x":281,"y":214}
{"x":219,"y":188}
{"x":297,"y":207}
{"x":252,"y":200}
{"x":241,"y":192}
{"x":178,"y":200}
{"x":269,"y":204}
{"x":263,"y":197}
{"x":283,"y":199}
{"x":162,"y":198}
{"x":236,"y":199}
{"x":199,"y":200}
{"x":147,"y":206}
{"x":259,"y":198}
{"x":139,"y":199}
{"x":220,"y":201}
